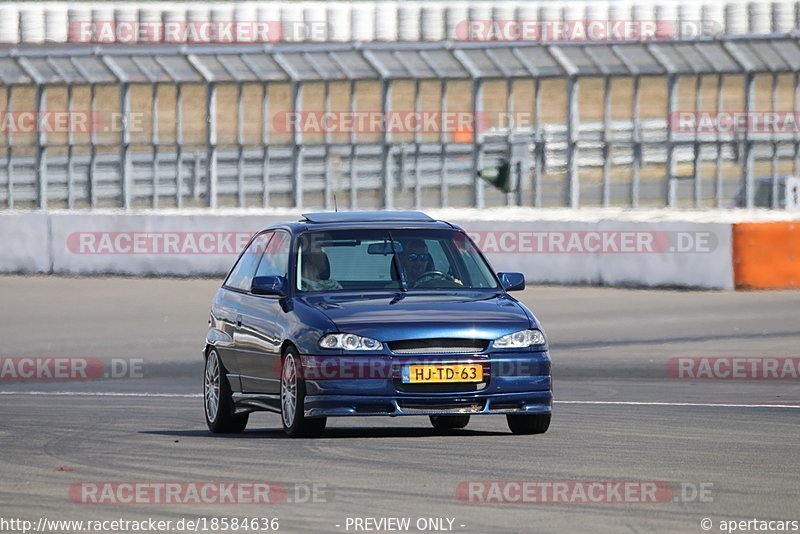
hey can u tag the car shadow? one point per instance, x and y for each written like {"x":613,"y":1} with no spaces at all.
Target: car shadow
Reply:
{"x":332,"y":433}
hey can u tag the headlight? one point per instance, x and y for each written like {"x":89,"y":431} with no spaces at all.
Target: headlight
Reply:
{"x":521,"y":339}
{"x":349,"y":342}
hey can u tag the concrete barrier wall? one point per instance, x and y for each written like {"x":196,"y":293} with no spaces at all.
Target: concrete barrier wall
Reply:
{"x":604,"y":250}
{"x":608,"y":252}
{"x":150,"y":243}
{"x":26,"y":242}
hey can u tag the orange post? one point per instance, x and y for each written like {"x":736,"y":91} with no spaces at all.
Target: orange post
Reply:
{"x":766,"y":255}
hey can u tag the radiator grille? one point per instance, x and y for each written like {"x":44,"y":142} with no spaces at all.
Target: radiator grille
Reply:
{"x":439,"y":346}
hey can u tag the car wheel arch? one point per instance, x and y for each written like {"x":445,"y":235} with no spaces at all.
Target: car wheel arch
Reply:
{"x":286,"y":346}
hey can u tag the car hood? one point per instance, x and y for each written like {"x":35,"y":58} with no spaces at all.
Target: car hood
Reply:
{"x":391,"y":317}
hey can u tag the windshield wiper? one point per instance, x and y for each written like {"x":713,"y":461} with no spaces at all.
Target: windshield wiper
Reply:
{"x":398,"y":265}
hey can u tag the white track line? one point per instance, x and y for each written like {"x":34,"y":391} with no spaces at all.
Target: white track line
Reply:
{"x":707,"y":404}
{"x":198,"y":395}
{"x":101,"y":394}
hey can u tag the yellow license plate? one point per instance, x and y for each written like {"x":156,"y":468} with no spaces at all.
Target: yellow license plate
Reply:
{"x":470,"y":372}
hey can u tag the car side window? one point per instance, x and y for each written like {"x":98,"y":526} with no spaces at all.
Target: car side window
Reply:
{"x":275,"y":261}
{"x":241,"y":276}
{"x":478,"y":273}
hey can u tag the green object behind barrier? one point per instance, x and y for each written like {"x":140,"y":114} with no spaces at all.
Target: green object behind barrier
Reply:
{"x":499,"y":177}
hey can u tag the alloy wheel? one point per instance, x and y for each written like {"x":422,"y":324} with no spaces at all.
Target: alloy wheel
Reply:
{"x":212,"y":376}
{"x":289,"y":390}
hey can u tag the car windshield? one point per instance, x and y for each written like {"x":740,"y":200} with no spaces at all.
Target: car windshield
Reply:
{"x":342,"y":260}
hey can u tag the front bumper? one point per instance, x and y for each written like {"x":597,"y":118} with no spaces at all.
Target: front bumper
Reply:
{"x":361,"y":405}
{"x":514,"y":383}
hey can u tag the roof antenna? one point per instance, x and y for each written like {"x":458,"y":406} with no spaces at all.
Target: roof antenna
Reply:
{"x":335,"y":207}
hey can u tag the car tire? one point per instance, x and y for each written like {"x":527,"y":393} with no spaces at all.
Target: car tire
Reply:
{"x":529,"y":424}
{"x":449,"y":422}
{"x":293,"y":394}
{"x":218,"y":402}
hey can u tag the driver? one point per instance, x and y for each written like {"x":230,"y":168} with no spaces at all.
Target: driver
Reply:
{"x":415,"y":259}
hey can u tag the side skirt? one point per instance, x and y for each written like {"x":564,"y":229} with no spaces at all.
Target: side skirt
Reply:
{"x":256,"y":402}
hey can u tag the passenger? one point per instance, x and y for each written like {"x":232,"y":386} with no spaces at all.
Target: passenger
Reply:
{"x":316,"y":273}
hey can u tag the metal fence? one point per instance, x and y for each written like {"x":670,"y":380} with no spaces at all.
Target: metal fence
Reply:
{"x":576,"y":124}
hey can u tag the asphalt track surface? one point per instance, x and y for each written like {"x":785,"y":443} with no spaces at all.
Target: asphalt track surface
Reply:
{"x":619,"y":416}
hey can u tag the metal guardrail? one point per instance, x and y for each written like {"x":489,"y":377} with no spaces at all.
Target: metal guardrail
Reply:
{"x":410,"y":173}
{"x":130,"y":171}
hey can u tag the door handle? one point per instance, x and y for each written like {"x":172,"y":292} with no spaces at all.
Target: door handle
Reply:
{"x":239,"y":321}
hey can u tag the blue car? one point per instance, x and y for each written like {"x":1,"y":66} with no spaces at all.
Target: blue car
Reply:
{"x":372,"y":313}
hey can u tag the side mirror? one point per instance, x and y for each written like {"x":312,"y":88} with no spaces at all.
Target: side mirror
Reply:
{"x":269,"y":285}
{"x":512,"y":281}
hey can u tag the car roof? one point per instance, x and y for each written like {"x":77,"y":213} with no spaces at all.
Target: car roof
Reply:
{"x":367,"y":216}
{"x":353,"y":220}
